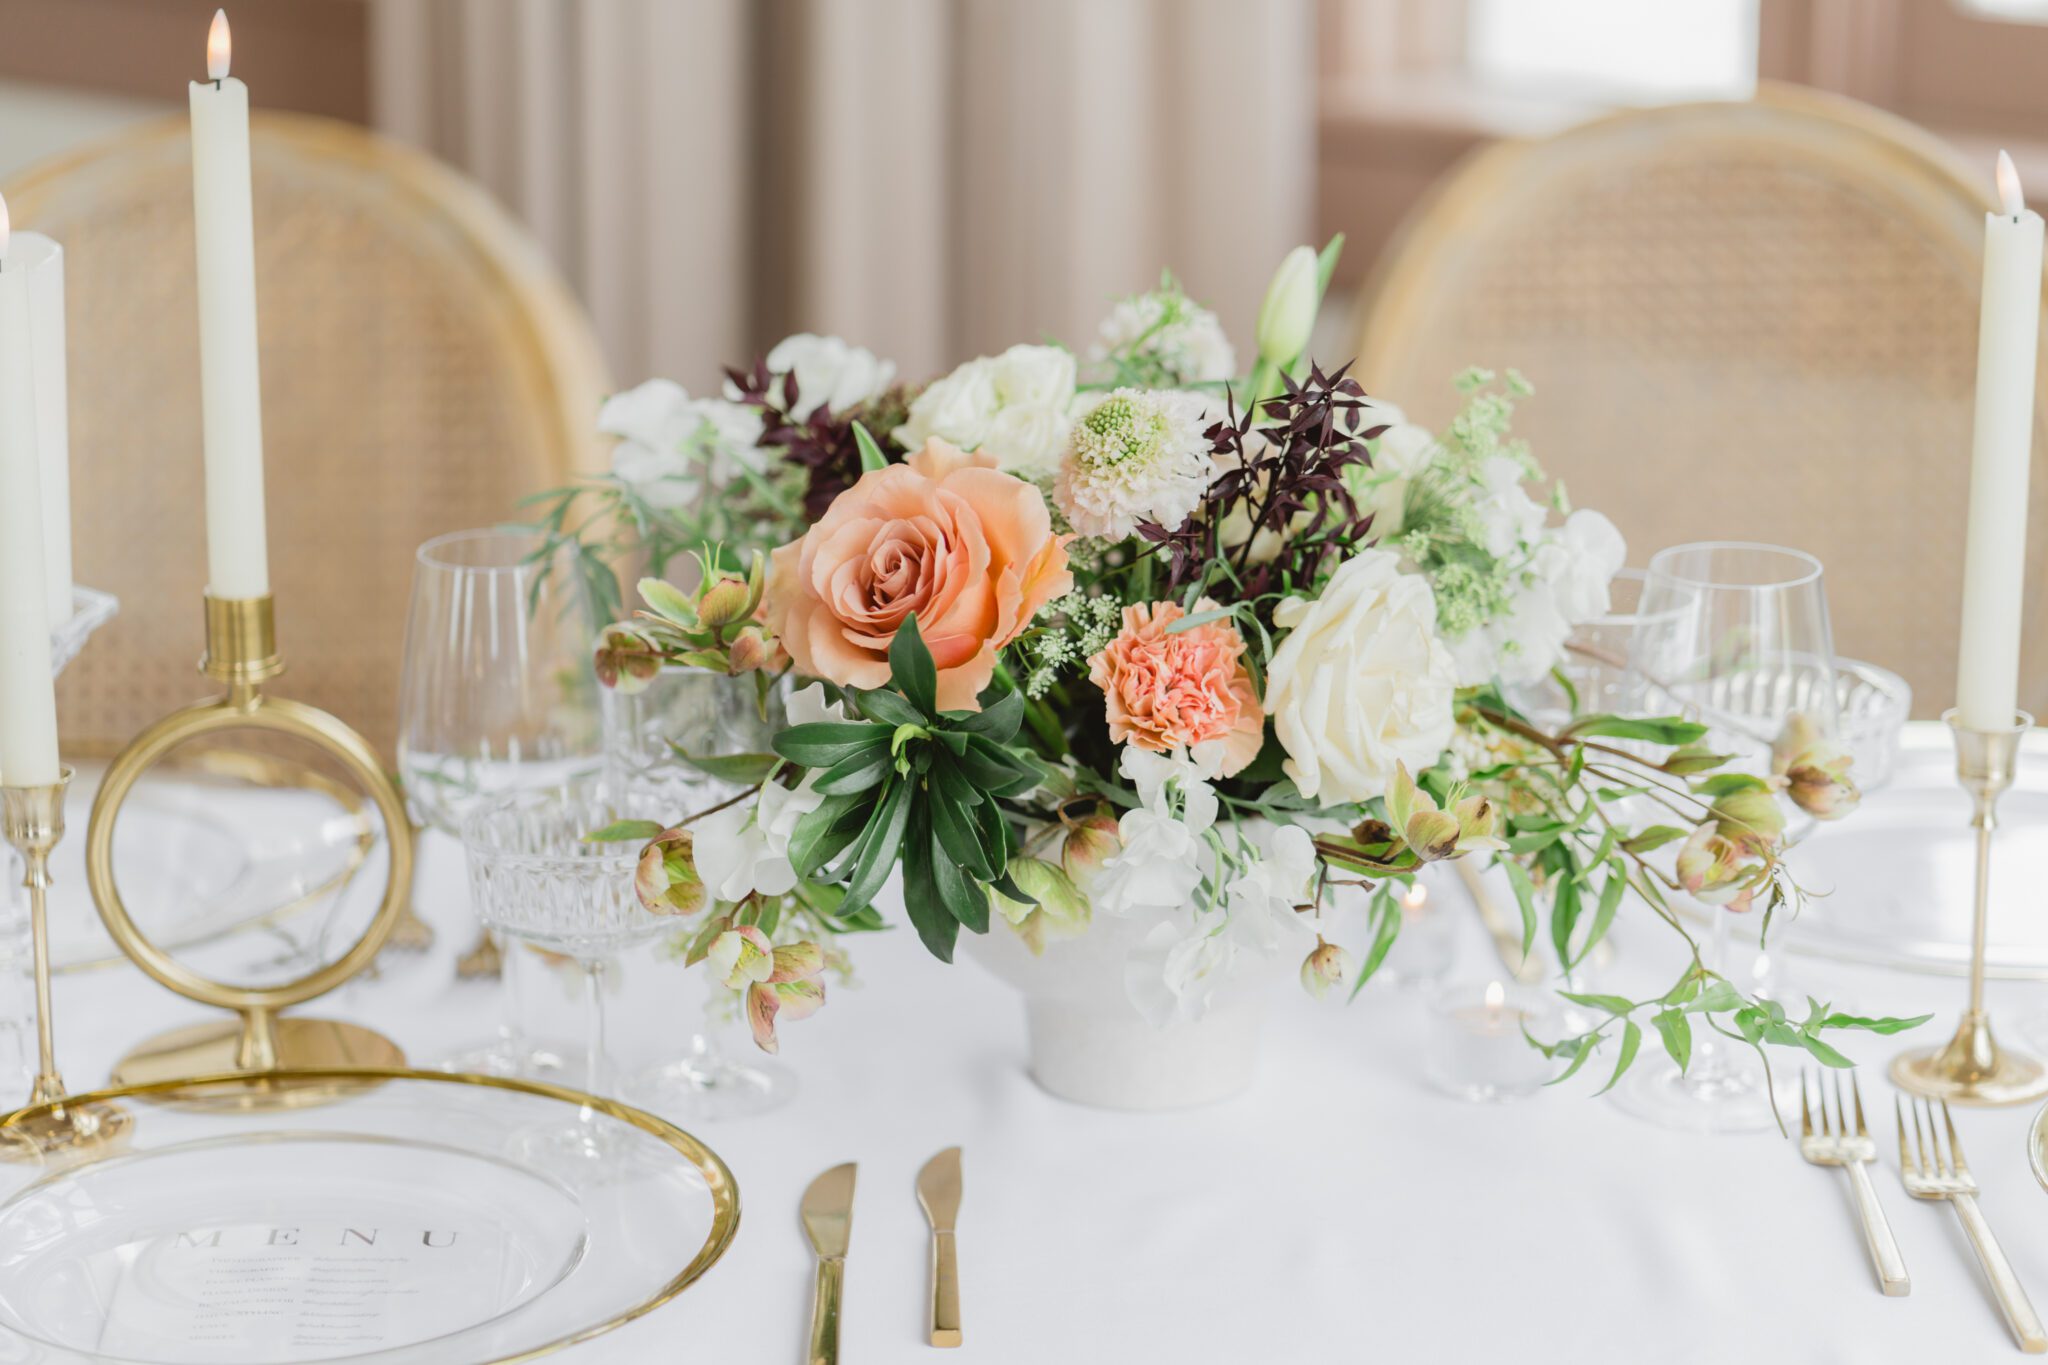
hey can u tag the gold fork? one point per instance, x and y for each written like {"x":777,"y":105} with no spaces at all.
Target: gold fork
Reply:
{"x":1835,"y":1145}
{"x":1931,"y":1173}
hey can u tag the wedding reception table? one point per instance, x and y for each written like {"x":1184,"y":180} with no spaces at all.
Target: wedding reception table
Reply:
{"x":1342,"y":1210}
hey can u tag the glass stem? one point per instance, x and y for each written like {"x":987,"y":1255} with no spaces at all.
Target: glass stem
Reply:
{"x":594,"y":1079}
{"x":511,"y":998}
{"x":1710,"y":1062}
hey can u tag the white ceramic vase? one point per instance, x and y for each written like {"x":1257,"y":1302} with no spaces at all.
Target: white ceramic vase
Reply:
{"x":1089,"y":1044}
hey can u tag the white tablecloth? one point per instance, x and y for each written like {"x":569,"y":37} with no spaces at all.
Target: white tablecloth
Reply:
{"x":1339,"y":1211}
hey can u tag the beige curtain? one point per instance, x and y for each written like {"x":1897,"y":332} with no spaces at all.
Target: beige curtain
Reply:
{"x":931,"y":178}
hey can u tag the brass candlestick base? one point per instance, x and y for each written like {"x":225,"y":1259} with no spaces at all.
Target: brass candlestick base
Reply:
{"x":1971,"y":1068}
{"x":241,"y":652}
{"x":32,"y":820}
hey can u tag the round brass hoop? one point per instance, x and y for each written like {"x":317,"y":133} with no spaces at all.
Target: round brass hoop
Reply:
{"x":244,"y":708}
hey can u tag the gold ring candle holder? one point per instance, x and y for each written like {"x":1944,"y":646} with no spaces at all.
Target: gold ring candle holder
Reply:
{"x":32,"y":821}
{"x":1971,"y":1068}
{"x":241,"y":653}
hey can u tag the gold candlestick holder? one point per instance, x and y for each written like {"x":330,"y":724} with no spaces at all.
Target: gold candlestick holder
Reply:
{"x":1971,"y":1068}
{"x":241,"y":654}
{"x":32,"y":821}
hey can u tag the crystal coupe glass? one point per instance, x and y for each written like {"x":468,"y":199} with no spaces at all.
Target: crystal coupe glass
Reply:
{"x":1741,"y":644}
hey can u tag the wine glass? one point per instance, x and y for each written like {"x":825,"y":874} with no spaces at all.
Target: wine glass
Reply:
{"x":496,"y":695}
{"x":536,"y":879}
{"x":1737,"y":638}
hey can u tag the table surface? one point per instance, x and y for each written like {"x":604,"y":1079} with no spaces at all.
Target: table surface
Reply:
{"x":1339,"y":1210}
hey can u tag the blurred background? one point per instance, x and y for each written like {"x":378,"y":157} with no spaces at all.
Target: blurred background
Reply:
{"x":1789,"y":302}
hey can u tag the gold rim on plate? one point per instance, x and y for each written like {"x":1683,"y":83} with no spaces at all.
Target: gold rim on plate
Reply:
{"x":718,"y":1177}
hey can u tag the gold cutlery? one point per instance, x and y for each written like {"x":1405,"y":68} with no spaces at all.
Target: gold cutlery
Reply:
{"x":1931,"y":1173}
{"x":938,"y":1191}
{"x":827,"y":1213}
{"x":1835,"y":1145}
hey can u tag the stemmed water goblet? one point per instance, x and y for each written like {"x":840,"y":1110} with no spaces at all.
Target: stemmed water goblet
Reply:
{"x":1736,"y":637}
{"x":496,"y":695}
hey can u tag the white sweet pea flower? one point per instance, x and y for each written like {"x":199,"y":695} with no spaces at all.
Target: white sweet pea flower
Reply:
{"x":1175,"y":969}
{"x":742,"y":850}
{"x":1508,"y":517}
{"x":807,"y":705}
{"x":670,"y":442}
{"x":1261,"y":897}
{"x":829,"y":373}
{"x":1017,"y":405}
{"x":1579,"y":561}
{"x":1158,"y":868}
{"x":1518,"y":646}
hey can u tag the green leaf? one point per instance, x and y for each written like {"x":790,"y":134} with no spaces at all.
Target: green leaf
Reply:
{"x":1564,"y":917}
{"x":871,"y":456}
{"x":1653,"y":730}
{"x":997,"y":722}
{"x":1884,"y":1025}
{"x":1655,"y":837}
{"x":912,"y":670}
{"x":885,"y":706}
{"x":881,"y":845}
{"x":1676,"y":1031}
{"x":1386,"y":929}
{"x":824,"y":833}
{"x":964,"y":897}
{"x":746,"y":770}
{"x":999,"y":771}
{"x":822,"y":743}
{"x":1200,"y":618}
{"x":668,"y":601}
{"x":1585,"y":1050}
{"x":855,"y":773}
{"x":1611,"y":893}
{"x":1525,"y":897}
{"x":625,"y":832}
{"x":1631,"y":1039}
{"x":1727,"y":784}
{"x":1826,"y":1054}
{"x":1716,"y":998}
{"x":1612,"y":1004}
{"x":959,"y":837}
{"x":936,"y":927}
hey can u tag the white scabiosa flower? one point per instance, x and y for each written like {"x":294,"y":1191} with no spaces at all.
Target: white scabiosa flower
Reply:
{"x":1136,"y":455}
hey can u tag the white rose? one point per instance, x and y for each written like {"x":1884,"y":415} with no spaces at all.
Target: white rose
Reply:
{"x":829,"y":372}
{"x":957,"y":408}
{"x":1035,"y":377}
{"x":1361,"y":682}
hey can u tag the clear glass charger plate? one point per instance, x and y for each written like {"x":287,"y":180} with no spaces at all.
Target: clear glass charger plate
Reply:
{"x":216,"y":853}
{"x":412,"y":1217}
{"x":1892,"y":882}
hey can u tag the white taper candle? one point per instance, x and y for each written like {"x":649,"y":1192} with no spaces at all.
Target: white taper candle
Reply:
{"x":1995,"y":560}
{"x":28,"y":695}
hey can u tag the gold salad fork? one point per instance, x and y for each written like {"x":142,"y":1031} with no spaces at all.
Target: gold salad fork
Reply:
{"x":1932,"y":1173}
{"x":1835,"y":1145}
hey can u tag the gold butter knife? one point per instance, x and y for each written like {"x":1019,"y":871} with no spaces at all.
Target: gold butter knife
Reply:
{"x":827,"y":1213}
{"x":938,"y":1190}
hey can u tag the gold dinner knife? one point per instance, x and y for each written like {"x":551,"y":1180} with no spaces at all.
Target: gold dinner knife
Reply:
{"x":938,"y":1190}
{"x":827,"y":1213}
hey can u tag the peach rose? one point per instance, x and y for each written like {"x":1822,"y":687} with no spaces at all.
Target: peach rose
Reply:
{"x":1168,"y":690}
{"x":946,"y":536}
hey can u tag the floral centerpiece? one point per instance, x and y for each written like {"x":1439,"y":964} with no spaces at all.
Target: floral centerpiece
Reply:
{"x":1128,"y":638}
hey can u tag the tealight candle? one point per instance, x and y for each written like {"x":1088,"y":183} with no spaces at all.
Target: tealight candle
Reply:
{"x":1475,"y":1049}
{"x":1429,"y":939}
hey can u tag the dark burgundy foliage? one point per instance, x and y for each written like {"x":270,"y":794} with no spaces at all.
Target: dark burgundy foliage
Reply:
{"x":823,"y":443}
{"x":1291,"y":466}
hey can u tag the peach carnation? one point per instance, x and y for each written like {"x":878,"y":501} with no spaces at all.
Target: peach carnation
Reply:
{"x":1166,"y":690}
{"x":947,"y":537}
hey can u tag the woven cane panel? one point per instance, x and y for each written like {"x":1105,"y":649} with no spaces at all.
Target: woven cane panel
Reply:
{"x":421,"y":372}
{"x":1745,"y":322}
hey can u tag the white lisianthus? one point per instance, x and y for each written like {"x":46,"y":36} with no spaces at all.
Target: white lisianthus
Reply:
{"x":829,"y":372}
{"x":1361,"y":682}
{"x":1183,"y":337}
{"x":1508,"y":517}
{"x":670,"y":442}
{"x":1015,"y":405}
{"x":1135,"y":455}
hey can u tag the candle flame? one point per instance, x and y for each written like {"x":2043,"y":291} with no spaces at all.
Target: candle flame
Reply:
{"x":1496,"y":995}
{"x":1414,"y":897}
{"x":219,"y":47}
{"x":2009,"y":195}
{"x":6,"y":228}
